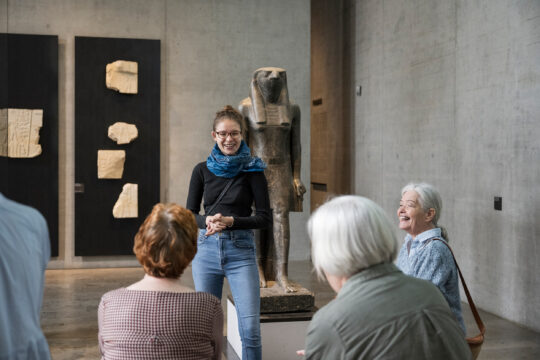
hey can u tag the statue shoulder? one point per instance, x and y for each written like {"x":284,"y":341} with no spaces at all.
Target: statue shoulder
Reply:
{"x":245,"y":106}
{"x":295,"y":108}
{"x":295,"y":111}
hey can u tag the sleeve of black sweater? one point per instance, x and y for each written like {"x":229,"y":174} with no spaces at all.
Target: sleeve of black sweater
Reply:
{"x":262,"y":218}
{"x":195,"y":194}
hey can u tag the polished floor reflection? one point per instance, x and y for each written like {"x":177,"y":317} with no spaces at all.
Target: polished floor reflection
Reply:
{"x":71,"y":298}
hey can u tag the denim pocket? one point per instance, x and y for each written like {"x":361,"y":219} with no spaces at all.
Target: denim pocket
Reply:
{"x":243,"y":239}
{"x":201,"y":237}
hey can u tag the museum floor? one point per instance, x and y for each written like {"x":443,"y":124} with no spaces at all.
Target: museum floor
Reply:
{"x":72,"y":296}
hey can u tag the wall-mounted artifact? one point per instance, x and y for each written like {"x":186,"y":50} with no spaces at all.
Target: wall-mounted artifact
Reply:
{"x":19,"y":132}
{"x":111,"y":164}
{"x":122,"y":76}
{"x":29,"y":80}
{"x":123,"y":133}
{"x":273,"y":134}
{"x":97,"y":232}
{"x":127,"y":204}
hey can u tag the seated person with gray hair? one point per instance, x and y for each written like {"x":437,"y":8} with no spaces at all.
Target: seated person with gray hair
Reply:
{"x":379,"y":312}
{"x":421,"y":255}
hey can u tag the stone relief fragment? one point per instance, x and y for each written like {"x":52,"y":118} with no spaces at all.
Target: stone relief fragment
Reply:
{"x":127,"y":204}
{"x":123,"y":133}
{"x":3,"y":132}
{"x":19,"y":132}
{"x":122,"y":76}
{"x":111,"y":164}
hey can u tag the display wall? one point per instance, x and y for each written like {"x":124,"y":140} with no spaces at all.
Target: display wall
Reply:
{"x":209,"y":50}
{"x":29,"y":80}
{"x":97,"y":231}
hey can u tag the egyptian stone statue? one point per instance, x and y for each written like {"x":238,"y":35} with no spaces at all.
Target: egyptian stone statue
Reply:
{"x":273,"y":134}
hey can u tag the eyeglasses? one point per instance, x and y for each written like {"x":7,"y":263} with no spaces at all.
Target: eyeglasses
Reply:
{"x":223,"y":134}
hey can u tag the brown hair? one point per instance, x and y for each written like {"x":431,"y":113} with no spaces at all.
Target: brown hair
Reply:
{"x":167,"y":241}
{"x":228,"y":112}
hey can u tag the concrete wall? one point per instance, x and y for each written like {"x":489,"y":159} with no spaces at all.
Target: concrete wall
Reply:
{"x":209,"y":50}
{"x":451,"y":96}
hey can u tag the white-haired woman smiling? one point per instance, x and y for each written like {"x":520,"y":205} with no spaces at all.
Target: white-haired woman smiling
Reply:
{"x":421,"y":256}
{"x":378,"y":312}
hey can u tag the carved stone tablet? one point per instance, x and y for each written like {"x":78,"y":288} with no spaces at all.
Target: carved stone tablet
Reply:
{"x":127,"y":204}
{"x":19,"y":132}
{"x":122,"y":76}
{"x":111,"y":164}
{"x":123,"y":133}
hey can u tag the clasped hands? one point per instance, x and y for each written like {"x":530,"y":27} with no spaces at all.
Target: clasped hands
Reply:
{"x":217,"y":223}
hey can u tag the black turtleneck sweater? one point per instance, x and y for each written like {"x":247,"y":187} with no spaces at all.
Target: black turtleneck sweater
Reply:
{"x":246,"y":188}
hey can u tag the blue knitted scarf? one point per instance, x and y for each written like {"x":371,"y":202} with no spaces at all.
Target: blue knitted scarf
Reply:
{"x":229,"y":166}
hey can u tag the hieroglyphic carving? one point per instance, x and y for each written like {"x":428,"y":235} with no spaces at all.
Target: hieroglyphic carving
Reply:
{"x":127,"y":204}
{"x":122,"y":132}
{"x":122,"y":76}
{"x":111,"y":164}
{"x":19,"y":132}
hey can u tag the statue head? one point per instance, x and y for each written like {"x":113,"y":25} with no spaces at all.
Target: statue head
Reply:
{"x":272,"y":83}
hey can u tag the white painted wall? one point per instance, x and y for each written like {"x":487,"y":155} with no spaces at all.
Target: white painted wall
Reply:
{"x":451,"y":96}
{"x":209,"y":50}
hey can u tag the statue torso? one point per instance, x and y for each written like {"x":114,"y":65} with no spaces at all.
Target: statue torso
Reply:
{"x":269,"y":138}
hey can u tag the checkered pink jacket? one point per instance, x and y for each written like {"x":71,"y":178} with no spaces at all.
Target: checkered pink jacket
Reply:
{"x":136,"y":324}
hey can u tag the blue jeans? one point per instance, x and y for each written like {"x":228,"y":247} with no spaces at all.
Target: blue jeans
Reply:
{"x":231,"y":254}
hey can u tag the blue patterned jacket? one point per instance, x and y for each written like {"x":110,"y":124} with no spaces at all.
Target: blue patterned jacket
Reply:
{"x":432,"y":261}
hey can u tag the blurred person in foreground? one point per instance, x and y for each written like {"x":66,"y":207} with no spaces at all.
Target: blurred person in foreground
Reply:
{"x":379,"y":312}
{"x":158,"y":317}
{"x":25,"y":252}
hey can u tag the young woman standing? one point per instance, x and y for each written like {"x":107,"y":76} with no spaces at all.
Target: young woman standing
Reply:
{"x":229,"y":182}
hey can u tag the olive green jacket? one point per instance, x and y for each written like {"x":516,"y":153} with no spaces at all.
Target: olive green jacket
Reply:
{"x":380,"y":313}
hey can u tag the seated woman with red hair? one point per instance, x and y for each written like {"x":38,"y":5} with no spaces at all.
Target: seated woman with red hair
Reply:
{"x":157,"y":317}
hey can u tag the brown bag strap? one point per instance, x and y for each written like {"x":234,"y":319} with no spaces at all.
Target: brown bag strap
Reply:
{"x":479,"y":321}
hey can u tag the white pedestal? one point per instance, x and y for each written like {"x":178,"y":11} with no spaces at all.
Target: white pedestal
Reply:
{"x":281,"y":334}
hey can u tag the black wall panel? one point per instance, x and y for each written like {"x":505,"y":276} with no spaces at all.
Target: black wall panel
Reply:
{"x":97,"y":232}
{"x":29,"y":80}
